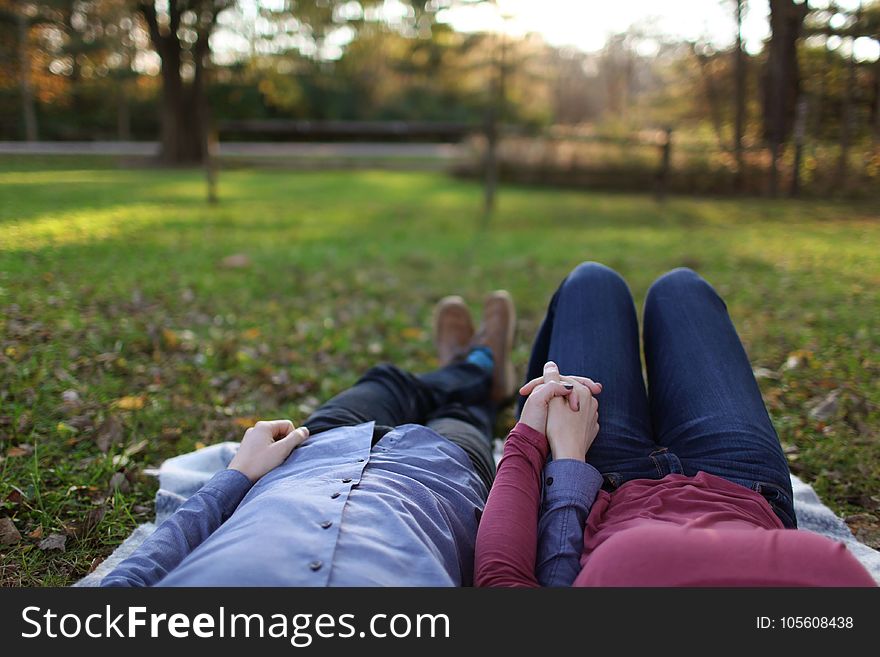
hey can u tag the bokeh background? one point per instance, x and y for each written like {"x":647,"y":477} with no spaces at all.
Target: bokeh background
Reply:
{"x":215,"y":211}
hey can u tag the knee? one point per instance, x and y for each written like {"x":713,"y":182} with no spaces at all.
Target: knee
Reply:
{"x":384,"y":372}
{"x":592,"y":274}
{"x":680,"y":283}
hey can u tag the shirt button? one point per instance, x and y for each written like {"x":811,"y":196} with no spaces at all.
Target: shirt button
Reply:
{"x":346,"y":481}
{"x":334,"y":496}
{"x":549,"y":481}
{"x":326,"y":524}
{"x":316,"y":565}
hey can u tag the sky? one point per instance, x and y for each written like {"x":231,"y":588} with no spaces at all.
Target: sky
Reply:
{"x":586,"y":24}
{"x":581,"y":24}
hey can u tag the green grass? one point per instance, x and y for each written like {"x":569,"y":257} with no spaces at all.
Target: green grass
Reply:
{"x":111,"y":286}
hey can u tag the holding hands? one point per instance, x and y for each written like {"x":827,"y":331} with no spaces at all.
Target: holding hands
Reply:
{"x":564,"y":409}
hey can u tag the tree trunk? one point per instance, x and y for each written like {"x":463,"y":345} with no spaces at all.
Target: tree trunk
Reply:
{"x":819,"y":102}
{"x":711,"y":96}
{"x":782,"y":78}
{"x":182,"y":107}
{"x":800,"y":129}
{"x":846,"y":118}
{"x":877,"y":101}
{"x":123,"y":113}
{"x":182,"y":129}
{"x":740,"y":91}
{"x":28,"y":111}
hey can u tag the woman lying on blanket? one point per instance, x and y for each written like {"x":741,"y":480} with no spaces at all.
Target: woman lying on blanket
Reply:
{"x":687,"y":486}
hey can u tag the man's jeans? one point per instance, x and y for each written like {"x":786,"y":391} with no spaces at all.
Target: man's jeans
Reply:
{"x":704,"y":410}
{"x":453,"y":401}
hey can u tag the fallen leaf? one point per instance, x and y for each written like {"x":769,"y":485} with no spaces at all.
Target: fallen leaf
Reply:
{"x":200,"y":445}
{"x":244,"y":422}
{"x":119,"y":482}
{"x":81,"y":422}
{"x":130,"y":402}
{"x":797,"y":359}
{"x":171,"y":433}
{"x":37,"y":533}
{"x":251,"y":334}
{"x":22,"y":449}
{"x":412,"y":333}
{"x":65,"y":429}
{"x":764,"y":373}
{"x":24,"y":423}
{"x":170,"y":338}
{"x":97,"y":561}
{"x":826,"y":408}
{"x":109,"y":433}
{"x":15,"y":497}
{"x":8,"y":533}
{"x":53,"y":542}
{"x":139,"y":446}
{"x":81,"y":528}
{"x":236,"y":261}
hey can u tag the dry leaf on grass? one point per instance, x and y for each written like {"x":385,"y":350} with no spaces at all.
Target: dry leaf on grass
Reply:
{"x":235,"y":261}
{"x":80,"y":528}
{"x":20,"y":450}
{"x":9,"y":534}
{"x":119,"y":482}
{"x":130,"y":402}
{"x":53,"y":542}
{"x":827,"y":408}
{"x":109,"y":433}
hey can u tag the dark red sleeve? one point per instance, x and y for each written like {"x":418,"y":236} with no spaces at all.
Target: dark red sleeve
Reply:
{"x":508,"y":535}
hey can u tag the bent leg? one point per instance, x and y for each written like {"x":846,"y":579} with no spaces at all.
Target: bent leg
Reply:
{"x":591,"y":330}
{"x":453,"y":400}
{"x":706,"y":406}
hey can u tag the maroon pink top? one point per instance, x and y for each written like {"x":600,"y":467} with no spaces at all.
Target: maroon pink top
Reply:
{"x":676,"y":531}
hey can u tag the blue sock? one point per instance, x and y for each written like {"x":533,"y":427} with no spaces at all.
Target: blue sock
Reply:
{"x":481,"y":357}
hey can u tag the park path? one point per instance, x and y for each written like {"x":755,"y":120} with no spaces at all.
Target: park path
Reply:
{"x":406,"y":155}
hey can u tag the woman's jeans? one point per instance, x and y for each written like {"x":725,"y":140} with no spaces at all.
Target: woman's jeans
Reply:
{"x":703,"y":409}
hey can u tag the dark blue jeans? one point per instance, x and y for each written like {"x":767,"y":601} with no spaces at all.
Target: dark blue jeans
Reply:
{"x":453,"y":401}
{"x":703,"y":409}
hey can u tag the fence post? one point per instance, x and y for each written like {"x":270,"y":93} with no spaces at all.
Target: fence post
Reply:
{"x":211,"y":147}
{"x":665,"y":160}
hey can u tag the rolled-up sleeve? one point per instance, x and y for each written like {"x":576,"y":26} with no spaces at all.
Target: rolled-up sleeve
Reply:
{"x":570,"y":488}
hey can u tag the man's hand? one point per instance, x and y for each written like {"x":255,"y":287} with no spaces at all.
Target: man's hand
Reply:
{"x":535,"y":411}
{"x":572,"y":432}
{"x":551,"y":373}
{"x":265,"y":446}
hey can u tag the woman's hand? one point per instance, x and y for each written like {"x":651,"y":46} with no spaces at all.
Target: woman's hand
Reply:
{"x":571,"y":432}
{"x":265,"y":446}
{"x":535,"y":411}
{"x":551,"y":373}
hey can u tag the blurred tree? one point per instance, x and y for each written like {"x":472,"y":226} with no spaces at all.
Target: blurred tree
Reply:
{"x":180,"y":32}
{"x":17,"y":18}
{"x":781,"y":78}
{"x":739,"y":97}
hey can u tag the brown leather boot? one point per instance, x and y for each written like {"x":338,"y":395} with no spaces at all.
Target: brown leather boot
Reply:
{"x":497,"y":333}
{"x":453,"y":329}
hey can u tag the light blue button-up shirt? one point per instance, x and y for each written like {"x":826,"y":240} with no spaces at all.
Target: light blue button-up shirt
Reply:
{"x":338,"y":512}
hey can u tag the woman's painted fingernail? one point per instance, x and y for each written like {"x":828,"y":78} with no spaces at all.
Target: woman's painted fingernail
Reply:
{"x":568,"y":386}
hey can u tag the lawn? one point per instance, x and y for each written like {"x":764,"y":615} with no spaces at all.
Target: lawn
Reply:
{"x":127,"y":335}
